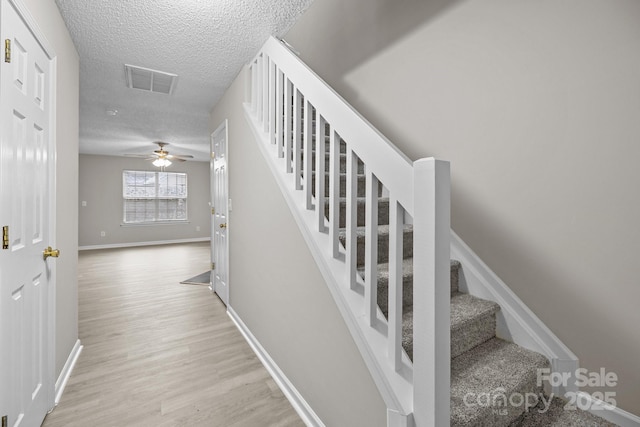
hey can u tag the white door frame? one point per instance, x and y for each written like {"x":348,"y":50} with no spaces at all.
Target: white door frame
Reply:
{"x":222,"y":128}
{"x":34,"y":28}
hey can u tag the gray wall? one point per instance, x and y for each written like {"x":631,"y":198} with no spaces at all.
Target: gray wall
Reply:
{"x":278,"y":291}
{"x":46,"y":14}
{"x":101,"y":188}
{"x":537,"y":106}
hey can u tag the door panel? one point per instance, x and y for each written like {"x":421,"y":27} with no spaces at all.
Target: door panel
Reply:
{"x":26,"y":167}
{"x":220,"y":229}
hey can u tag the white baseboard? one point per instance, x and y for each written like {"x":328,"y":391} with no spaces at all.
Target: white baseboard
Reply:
{"x":134,"y":244}
{"x":61,"y":382}
{"x":301,"y":406}
{"x":614,"y":415}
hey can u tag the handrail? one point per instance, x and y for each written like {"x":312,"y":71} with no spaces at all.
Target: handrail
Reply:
{"x":287,"y":98}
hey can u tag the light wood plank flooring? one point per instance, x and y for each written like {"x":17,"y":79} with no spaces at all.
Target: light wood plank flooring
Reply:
{"x":158,"y":353}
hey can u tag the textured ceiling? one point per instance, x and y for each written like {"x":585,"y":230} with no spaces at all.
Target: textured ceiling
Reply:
{"x":204,"y":42}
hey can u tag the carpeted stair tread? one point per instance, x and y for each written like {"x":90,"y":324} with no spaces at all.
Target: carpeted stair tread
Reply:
{"x":494,"y":367}
{"x":556,"y":416}
{"x":473,"y":322}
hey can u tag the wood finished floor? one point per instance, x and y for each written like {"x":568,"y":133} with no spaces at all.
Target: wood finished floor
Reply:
{"x":159,"y":353}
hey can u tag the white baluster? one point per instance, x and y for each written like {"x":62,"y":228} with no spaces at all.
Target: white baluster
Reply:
{"x":272,"y":100}
{"x":259,"y":86}
{"x":395,"y":283}
{"x":320,"y":159}
{"x":334,"y":191}
{"x":254,"y":88}
{"x":351,"y":222}
{"x":297,"y":139}
{"x":279,"y":112}
{"x":371,"y":249}
{"x":308,"y":155}
{"x":265,"y":96}
{"x":288,"y":155}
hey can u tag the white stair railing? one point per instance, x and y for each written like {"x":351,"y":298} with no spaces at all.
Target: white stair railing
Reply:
{"x":287,"y":99}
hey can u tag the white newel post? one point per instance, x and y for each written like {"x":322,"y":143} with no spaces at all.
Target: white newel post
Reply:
{"x":431,"y":293}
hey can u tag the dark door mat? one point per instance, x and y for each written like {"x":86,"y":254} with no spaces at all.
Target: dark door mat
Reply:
{"x":200,"y":279}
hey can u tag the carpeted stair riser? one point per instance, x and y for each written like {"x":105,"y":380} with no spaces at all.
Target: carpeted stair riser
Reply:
{"x":343,"y":163}
{"x":383,"y":243}
{"x":383,"y":286}
{"x":473,"y":321}
{"x":361,"y":185}
{"x":383,"y":211}
{"x":327,"y":143}
{"x":455,"y":275}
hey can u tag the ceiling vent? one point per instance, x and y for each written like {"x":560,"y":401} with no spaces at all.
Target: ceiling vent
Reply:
{"x":150,"y":80}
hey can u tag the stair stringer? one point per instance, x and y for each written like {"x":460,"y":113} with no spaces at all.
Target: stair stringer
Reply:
{"x":515,"y":322}
{"x":395,"y":387}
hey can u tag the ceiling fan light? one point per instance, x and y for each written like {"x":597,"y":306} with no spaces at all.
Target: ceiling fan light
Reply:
{"x":161,"y":162}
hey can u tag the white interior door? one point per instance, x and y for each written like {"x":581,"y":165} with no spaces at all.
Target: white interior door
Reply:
{"x":220,"y":214}
{"x":26,"y":209}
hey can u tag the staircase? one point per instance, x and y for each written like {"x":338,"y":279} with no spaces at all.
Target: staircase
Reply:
{"x":378,"y":226}
{"x":482,"y":365}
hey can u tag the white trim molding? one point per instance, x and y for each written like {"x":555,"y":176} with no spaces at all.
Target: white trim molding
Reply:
{"x":61,"y":382}
{"x":396,"y":419}
{"x":614,"y":415}
{"x":298,"y":402}
{"x":134,"y":244}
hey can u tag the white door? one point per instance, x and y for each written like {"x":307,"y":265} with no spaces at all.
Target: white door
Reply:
{"x":220,"y":214}
{"x":26,"y":208}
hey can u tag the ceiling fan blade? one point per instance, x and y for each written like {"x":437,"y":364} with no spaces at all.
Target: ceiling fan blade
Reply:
{"x":141,"y":156}
{"x":180,"y":156}
{"x":176,"y":159}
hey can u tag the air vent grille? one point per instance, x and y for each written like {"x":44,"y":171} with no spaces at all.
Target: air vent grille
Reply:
{"x":150,"y":80}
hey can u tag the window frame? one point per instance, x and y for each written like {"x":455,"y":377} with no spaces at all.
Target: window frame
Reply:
{"x":156,"y":198}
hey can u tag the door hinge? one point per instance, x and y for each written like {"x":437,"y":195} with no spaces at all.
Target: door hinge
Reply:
{"x":213,"y":211}
{"x":4,"y":421}
{"x":213,"y":265}
{"x":7,"y":50}
{"x":5,"y":237}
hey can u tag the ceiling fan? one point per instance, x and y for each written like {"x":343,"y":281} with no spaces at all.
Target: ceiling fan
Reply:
{"x":161,"y":157}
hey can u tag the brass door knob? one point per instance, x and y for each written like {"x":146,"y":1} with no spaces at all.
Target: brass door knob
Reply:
{"x":50,"y":252}
{"x":223,"y":225}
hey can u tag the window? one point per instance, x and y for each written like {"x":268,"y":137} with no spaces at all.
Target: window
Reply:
{"x":151,"y":197}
